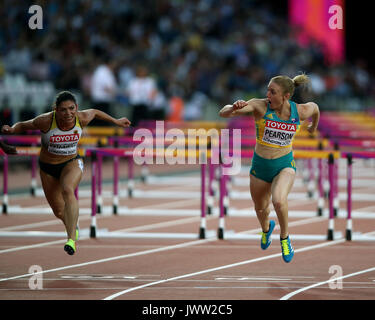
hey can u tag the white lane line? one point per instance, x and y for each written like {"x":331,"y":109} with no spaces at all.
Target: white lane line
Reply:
{"x":163,"y":288}
{"x":318,"y":246}
{"x":52,"y":222}
{"x":124,"y":256}
{"x":291,"y":294}
{"x":139,"y":228}
{"x":84,"y":217}
{"x":16,"y":209}
{"x":290,"y":224}
{"x":162,"y":224}
{"x":38,"y":245}
{"x":370,"y":208}
{"x":31,"y":225}
{"x":154,"y":226}
{"x":39,"y":224}
{"x":178,"y":203}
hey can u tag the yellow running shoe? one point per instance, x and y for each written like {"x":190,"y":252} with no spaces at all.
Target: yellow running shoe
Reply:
{"x":287,"y":250}
{"x":77,"y":233}
{"x":70,"y":247}
{"x":266,"y":236}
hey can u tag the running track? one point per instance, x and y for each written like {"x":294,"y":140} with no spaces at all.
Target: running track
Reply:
{"x":186,"y":269}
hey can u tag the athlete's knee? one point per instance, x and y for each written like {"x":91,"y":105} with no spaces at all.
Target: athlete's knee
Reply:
{"x":260,"y":211}
{"x":67,"y":191}
{"x":59,"y":214}
{"x":279,"y":204}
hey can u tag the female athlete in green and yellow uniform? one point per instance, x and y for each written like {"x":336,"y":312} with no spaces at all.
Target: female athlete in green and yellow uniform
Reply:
{"x":273,"y":169}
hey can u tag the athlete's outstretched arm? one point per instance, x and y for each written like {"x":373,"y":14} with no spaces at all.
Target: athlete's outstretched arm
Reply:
{"x":309,"y":110}
{"x":241,"y":107}
{"x":41,"y":122}
{"x":19,"y":127}
{"x":88,"y":115}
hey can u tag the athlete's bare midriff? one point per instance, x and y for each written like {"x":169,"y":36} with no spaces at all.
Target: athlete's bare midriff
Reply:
{"x":50,"y":158}
{"x":270,"y":152}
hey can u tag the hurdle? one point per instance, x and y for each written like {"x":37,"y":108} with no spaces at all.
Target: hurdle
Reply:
{"x":350,"y":235}
{"x":93,"y":231}
{"x":331,"y":234}
{"x":116,"y":194}
{"x":231,"y":235}
{"x":202,"y":228}
{"x":34,"y":141}
{"x":203,"y":233}
{"x":22,"y":151}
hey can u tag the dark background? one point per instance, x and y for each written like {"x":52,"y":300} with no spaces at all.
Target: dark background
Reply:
{"x":359,"y":27}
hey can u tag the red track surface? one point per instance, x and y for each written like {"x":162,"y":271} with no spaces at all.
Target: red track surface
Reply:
{"x":170,"y":269}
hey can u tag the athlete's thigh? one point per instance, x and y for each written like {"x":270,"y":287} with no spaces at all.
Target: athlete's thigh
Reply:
{"x":52,"y":191}
{"x":71,"y":174}
{"x":282,"y":184}
{"x":260,"y":191}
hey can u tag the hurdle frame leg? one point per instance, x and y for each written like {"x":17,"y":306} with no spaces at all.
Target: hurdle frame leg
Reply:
{"x":320,"y":189}
{"x":33,"y":185}
{"x":93,"y":225}
{"x":99,"y":198}
{"x":221,"y":228}
{"x":5,"y":185}
{"x":202,"y":228}
{"x":130,"y":177}
{"x":331,"y":223}
{"x":115,"y":200}
{"x":349,"y":224}
{"x":211,"y":191}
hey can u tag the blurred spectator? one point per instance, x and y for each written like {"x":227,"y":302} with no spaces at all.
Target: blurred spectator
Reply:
{"x":39,"y":68}
{"x":18,"y":58}
{"x":159,"y":106}
{"x":141,"y":91}
{"x":103,"y":87}
{"x":195,"y":107}
{"x":318,"y":85}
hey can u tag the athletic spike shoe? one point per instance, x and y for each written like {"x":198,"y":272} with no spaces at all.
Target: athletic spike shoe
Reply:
{"x":77,"y":233}
{"x":287,"y":250}
{"x":266,"y":240}
{"x":70,"y":247}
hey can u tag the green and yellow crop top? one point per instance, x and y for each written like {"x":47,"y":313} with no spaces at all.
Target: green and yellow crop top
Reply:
{"x":273,"y":132}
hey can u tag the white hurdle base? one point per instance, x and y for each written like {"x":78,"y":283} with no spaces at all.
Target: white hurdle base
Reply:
{"x":104,"y":233}
{"x":83,"y":233}
{"x":32,"y":234}
{"x":358,"y":236}
{"x":153,"y":235}
{"x":209,"y":234}
{"x":231,"y":235}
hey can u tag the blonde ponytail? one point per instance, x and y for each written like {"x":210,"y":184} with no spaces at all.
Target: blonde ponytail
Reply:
{"x":300,"y":79}
{"x":288,"y":85}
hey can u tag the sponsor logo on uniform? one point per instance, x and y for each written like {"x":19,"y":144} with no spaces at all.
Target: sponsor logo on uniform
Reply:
{"x":64,"y":138}
{"x":281,"y":125}
{"x":279,"y":133}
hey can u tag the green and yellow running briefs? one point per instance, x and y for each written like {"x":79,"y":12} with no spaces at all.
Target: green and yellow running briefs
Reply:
{"x":268,"y":169}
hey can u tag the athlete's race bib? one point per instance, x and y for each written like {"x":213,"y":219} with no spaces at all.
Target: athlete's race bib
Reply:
{"x":63,"y":144}
{"x":279,"y":133}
